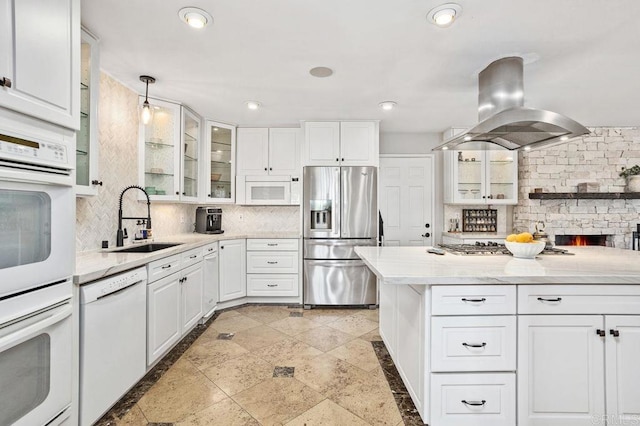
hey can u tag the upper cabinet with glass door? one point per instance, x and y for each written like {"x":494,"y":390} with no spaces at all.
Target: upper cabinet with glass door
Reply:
{"x":219,"y":157}
{"x":191,"y":147}
{"x":87,"y":178}
{"x":160,"y":151}
{"x":481,"y":177}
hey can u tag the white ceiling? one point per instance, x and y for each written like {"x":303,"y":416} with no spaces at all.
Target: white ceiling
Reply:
{"x":583,"y":58}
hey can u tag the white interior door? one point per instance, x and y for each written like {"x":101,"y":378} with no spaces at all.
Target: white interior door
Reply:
{"x":406,"y":200}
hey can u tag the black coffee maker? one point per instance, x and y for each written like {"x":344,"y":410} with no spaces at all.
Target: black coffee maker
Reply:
{"x":209,"y":220}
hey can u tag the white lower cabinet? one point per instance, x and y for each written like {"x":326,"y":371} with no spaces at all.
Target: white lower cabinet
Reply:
{"x":233,"y":277}
{"x":272,"y":267}
{"x":622,"y":370}
{"x":191,"y":297}
{"x":473,"y":399}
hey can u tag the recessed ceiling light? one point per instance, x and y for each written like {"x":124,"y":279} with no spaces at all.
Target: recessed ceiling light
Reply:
{"x":467,"y":138}
{"x":445,"y":14}
{"x":564,"y":138}
{"x":387,"y":105}
{"x":527,"y":148}
{"x":215,"y":129}
{"x":253,"y":105}
{"x":444,"y":148}
{"x":194,"y":17}
{"x":321,"y":72}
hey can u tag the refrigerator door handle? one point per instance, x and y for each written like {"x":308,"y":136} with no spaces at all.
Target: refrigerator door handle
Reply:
{"x":336,"y":207}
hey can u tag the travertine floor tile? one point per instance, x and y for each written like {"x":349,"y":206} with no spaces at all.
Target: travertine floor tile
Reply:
{"x":288,"y":352}
{"x":359,"y":353}
{"x":227,"y":314}
{"x":210,"y":352}
{"x":277,"y":400}
{"x":235,"y":324}
{"x":324,"y":338}
{"x":325,"y":316}
{"x":354,"y":325}
{"x":133,"y":418}
{"x":225,"y":412}
{"x":265,"y":314}
{"x":258,"y":337}
{"x":370,"y":399}
{"x":240,"y":373}
{"x":370,"y":314}
{"x":327,"y":413}
{"x":327,"y":374}
{"x":293,"y":325}
{"x":372,"y":336}
{"x":181,"y":391}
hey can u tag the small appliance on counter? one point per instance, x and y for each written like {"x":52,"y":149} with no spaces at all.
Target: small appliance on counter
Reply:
{"x":209,"y":220}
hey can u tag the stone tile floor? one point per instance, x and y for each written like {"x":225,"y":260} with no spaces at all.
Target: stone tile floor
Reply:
{"x":273,"y":365}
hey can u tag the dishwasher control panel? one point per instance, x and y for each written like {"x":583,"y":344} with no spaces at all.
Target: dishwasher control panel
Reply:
{"x":98,"y":289}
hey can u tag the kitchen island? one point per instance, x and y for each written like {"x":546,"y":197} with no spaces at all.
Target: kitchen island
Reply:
{"x":493,"y":340}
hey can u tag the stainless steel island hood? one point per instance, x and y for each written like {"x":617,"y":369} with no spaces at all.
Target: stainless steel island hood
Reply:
{"x":503,"y":119}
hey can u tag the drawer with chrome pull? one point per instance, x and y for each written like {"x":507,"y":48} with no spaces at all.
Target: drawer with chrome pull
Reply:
{"x":473,"y":344}
{"x":163,"y":267}
{"x":272,"y":285}
{"x":473,"y":300}
{"x":579,"y":299}
{"x":473,"y":399}
{"x":190,"y":257}
{"x":268,"y":262}
{"x":277,"y":244}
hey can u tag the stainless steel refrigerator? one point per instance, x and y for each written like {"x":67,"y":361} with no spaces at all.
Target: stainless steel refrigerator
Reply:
{"x":340,"y":212}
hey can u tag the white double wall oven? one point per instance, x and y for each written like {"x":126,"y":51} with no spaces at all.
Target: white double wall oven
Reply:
{"x":37,"y":216}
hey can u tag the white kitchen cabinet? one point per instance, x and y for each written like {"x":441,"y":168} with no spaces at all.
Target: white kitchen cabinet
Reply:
{"x":262,"y":152}
{"x":219,"y":162}
{"x":190,"y":152}
{"x":87,"y":147}
{"x":388,"y":314}
{"x":191,"y":298}
{"x":346,"y":143}
{"x":233,"y":278}
{"x":40,"y":61}
{"x":163,"y":316}
{"x":622,"y":372}
{"x":560,"y":370}
{"x":481,"y":177}
{"x":272,"y":267}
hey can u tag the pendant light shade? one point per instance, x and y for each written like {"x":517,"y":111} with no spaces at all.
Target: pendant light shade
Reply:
{"x":146,"y":112}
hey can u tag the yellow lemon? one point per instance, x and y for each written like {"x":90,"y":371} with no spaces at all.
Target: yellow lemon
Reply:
{"x":512,"y":238}
{"x":524,"y":237}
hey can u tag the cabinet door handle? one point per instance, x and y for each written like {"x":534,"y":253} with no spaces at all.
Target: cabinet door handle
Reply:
{"x":474,"y":403}
{"x":194,"y":256}
{"x":272,"y":262}
{"x":601,"y":333}
{"x":177,"y":193}
{"x":272,"y":285}
{"x":265,"y":169}
{"x":482,"y":300}
{"x":614,"y":333}
{"x":270,"y":168}
{"x":96,"y":182}
{"x":337,"y":159}
{"x":210,"y":249}
{"x":474,"y":345}
{"x":167,"y":266}
{"x":5,"y":82}
{"x":557,"y":299}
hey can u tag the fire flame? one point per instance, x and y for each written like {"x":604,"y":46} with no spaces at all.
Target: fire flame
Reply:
{"x":579,"y":240}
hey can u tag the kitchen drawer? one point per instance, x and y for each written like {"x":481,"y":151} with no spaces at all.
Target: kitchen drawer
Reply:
{"x":473,"y":300}
{"x":190,"y":257}
{"x":490,"y":399}
{"x":210,"y":249}
{"x":163,"y":267}
{"x":579,"y":299}
{"x":272,"y":262}
{"x":278,"y":244}
{"x":272,"y":284}
{"x":473,"y":343}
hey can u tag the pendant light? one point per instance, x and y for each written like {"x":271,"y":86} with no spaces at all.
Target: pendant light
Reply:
{"x":146,"y":113}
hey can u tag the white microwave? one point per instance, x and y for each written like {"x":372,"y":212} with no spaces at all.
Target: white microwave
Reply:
{"x":268,"y":190}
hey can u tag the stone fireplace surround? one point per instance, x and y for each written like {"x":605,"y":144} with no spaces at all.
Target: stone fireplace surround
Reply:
{"x":598,"y":157}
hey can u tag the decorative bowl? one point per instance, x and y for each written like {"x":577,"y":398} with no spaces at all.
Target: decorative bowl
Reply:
{"x":525,"y":250}
{"x":215,"y":176}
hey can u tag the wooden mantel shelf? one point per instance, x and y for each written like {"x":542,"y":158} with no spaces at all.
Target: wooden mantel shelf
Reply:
{"x":584,"y":195}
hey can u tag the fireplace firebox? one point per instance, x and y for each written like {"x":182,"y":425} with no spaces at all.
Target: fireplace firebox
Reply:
{"x":581,"y":240}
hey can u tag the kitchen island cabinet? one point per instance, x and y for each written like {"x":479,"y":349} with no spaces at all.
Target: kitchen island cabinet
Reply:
{"x":449,"y":323}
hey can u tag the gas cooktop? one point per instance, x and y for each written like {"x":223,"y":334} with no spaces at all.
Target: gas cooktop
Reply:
{"x":491,"y":249}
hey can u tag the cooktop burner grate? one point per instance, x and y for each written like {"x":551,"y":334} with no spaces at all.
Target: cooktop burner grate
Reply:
{"x":492,"y":249}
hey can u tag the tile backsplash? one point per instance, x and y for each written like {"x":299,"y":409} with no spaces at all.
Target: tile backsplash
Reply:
{"x":97,"y":216}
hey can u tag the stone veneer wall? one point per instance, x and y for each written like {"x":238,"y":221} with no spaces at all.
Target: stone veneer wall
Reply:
{"x":97,"y":216}
{"x":598,"y":157}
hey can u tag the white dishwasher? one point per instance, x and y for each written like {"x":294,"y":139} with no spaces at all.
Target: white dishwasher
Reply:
{"x":211,"y":281}
{"x":113,"y":315}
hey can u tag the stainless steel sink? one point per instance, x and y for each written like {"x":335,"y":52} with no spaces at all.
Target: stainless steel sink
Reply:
{"x":147,"y":248}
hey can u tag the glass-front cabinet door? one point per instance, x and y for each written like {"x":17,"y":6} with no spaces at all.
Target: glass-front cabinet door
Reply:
{"x":87,"y":137}
{"x":220,"y":162}
{"x":483,"y":177}
{"x":160,"y":141}
{"x":191,"y":147}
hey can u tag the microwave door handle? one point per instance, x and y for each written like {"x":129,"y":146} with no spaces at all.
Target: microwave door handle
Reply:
{"x":35,"y":325}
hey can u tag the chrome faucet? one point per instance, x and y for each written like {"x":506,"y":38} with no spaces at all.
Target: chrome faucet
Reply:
{"x":121,"y":235}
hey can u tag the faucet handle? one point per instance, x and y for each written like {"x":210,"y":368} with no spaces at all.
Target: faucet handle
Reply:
{"x":124,"y":233}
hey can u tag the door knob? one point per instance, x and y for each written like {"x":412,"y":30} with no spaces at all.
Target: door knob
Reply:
{"x":426,"y":225}
{"x":426,"y":235}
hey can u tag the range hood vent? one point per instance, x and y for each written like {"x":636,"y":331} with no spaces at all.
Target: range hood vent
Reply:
{"x":504,"y":121}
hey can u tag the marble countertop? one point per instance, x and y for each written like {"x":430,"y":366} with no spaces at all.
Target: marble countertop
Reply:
{"x":476,"y":235}
{"x":93,"y":265}
{"x":588,"y":265}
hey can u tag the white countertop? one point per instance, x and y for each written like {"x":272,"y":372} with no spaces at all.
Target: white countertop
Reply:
{"x":94,"y":265}
{"x":589,"y":265}
{"x":476,"y":235}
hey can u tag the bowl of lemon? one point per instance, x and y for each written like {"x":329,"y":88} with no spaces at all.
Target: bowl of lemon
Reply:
{"x":522,"y":246}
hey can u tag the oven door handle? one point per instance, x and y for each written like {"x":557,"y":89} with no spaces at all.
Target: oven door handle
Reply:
{"x":25,"y":328}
